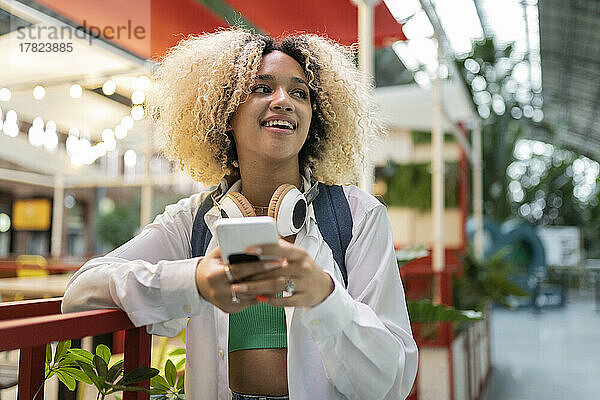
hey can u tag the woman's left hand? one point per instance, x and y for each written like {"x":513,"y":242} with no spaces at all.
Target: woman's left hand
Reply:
{"x":311,"y":284}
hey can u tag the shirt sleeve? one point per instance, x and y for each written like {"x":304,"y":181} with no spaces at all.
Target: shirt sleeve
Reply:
{"x":151,"y":277}
{"x":363,"y":333}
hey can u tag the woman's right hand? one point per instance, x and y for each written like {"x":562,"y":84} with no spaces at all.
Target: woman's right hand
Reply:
{"x":213,"y":285}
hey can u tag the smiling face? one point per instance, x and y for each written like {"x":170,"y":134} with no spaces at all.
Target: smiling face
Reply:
{"x":272,"y":124}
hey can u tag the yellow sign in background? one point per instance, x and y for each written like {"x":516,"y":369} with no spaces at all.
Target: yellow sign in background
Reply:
{"x":31,"y":214}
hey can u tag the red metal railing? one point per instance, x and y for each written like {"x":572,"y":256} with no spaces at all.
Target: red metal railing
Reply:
{"x":30,"y":325}
{"x":419,"y":280}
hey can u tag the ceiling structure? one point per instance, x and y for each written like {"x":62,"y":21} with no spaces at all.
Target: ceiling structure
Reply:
{"x":570,"y":53}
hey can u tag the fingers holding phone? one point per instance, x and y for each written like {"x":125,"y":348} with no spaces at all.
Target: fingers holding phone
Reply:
{"x":213,"y":284}
{"x":301,"y":280}
{"x":214,"y":280}
{"x":228,"y":264}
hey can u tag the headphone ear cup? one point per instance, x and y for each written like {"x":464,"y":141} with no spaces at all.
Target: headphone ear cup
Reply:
{"x":289,"y":209}
{"x":275,"y":202}
{"x":235,"y":205}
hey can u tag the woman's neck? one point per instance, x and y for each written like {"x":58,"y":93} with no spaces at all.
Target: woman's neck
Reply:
{"x":260,"y":181}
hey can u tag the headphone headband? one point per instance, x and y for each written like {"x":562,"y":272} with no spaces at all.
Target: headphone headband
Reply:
{"x":312,"y":192}
{"x":288,"y":205}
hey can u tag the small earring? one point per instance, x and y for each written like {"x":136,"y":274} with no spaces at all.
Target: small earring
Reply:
{"x":235,"y":163}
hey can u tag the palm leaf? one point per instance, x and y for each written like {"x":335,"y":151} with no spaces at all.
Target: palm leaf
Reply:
{"x":424,"y":311}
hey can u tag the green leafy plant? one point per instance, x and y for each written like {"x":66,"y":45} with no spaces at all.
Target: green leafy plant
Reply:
{"x":64,"y":366}
{"x":118,"y":225}
{"x":73,"y":365}
{"x":424,"y":311}
{"x":180,"y":352}
{"x":486,"y":281}
{"x":409,"y":185}
{"x":419,"y":137}
{"x":169,"y":386}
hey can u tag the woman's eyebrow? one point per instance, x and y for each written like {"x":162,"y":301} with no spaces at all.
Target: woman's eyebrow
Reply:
{"x":269,"y":77}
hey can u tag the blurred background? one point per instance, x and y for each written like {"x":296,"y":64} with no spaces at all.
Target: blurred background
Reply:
{"x":489,"y":169}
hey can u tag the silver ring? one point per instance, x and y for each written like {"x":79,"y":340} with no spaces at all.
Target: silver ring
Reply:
{"x":234,"y":298}
{"x":289,"y":288}
{"x":228,"y":274}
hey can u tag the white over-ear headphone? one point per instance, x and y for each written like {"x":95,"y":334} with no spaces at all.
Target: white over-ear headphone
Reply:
{"x":288,"y":206}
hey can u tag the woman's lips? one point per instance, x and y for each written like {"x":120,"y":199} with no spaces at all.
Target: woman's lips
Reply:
{"x":279,"y":130}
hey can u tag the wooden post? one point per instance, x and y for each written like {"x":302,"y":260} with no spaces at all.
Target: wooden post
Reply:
{"x":31,"y":360}
{"x":137,"y":354}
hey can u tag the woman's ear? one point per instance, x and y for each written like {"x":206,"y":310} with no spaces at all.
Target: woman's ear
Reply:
{"x":231,"y":151}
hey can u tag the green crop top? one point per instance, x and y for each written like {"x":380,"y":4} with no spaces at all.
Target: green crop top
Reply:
{"x":260,"y":326}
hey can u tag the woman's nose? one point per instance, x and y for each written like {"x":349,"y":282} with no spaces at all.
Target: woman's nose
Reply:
{"x":282,"y":101}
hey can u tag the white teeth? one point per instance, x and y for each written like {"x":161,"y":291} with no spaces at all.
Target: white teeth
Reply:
{"x":279,"y":122}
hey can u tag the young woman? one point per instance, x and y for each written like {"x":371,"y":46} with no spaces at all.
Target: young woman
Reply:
{"x":254,"y":113}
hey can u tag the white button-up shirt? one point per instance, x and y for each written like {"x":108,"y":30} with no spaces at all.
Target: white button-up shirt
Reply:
{"x":356,"y":344}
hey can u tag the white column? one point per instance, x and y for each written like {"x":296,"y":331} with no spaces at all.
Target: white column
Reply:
{"x":366,"y":38}
{"x":477,"y":191}
{"x":437,"y":184}
{"x":146,"y":206}
{"x":437,"y":172}
{"x":366,"y":64}
{"x":58,"y":207}
{"x":146,"y":201}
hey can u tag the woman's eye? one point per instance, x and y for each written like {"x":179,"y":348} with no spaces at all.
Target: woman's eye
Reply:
{"x":301,"y":93}
{"x":261,"y":89}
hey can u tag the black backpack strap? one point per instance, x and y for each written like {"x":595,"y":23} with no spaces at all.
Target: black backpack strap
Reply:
{"x":200,"y":233}
{"x":334,"y":220}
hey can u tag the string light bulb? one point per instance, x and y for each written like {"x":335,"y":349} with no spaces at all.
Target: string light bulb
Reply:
{"x":120,"y":132}
{"x":138,"y":97}
{"x":127,"y":122}
{"x":143,"y":83}
{"x":75,"y":91}
{"x":5,"y":94}
{"x":109,"y":87}
{"x":137,"y":113}
{"x":39,"y":92}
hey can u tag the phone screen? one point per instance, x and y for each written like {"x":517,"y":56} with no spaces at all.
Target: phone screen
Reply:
{"x":242,"y":258}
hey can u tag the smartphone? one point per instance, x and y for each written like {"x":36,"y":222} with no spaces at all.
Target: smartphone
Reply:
{"x":234,"y":235}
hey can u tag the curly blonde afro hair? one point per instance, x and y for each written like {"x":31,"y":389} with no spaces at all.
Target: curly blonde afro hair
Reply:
{"x":202,"y":80}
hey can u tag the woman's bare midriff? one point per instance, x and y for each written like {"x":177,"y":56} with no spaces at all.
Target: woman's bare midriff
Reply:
{"x":258,"y":371}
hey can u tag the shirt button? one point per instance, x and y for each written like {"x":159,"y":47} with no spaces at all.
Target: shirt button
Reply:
{"x":315,"y":322}
{"x":221,"y":354}
{"x":187,"y":309}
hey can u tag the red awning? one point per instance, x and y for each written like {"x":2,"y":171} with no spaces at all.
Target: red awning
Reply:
{"x":165,"y":22}
{"x":338,"y":19}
